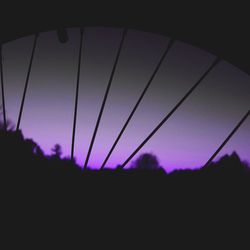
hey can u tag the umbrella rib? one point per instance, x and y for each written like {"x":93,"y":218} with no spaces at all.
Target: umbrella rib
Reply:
{"x":2,"y":89}
{"x":138,"y":102}
{"x":76,"y":94}
{"x":217,"y":60}
{"x":227,"y":139}
{"x":27,"y":81}
{"x":105,"y":98}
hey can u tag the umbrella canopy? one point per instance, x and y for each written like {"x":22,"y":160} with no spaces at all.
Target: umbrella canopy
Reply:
{"x":220,"y":31}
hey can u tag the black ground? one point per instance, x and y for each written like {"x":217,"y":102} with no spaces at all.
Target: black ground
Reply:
{"x":45,"y":197}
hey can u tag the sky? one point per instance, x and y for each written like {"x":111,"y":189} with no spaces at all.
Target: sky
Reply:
{"x":187,"y":139}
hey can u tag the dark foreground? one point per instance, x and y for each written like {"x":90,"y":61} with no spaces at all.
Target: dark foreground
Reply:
{"x":46,"y":199}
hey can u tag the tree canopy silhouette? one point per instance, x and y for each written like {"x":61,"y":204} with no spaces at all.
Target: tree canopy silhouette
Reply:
{"x":146,"y":161}
{"x":57,"y":151}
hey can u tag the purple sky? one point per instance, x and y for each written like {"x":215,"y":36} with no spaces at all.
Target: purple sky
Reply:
{"x":188,"y":139}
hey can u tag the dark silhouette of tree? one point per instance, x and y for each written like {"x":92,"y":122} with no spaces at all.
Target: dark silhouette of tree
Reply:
{"x":34,"y":148}
{"x":228,"y":164}
{"x":57,"y":151}
{"x":146,"y":162}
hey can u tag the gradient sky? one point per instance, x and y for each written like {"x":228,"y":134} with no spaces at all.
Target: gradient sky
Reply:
{"x":188,"y":139}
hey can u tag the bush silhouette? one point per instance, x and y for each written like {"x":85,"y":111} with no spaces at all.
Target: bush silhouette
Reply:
{"x":146,"y":161}
{"x":57,"y":151}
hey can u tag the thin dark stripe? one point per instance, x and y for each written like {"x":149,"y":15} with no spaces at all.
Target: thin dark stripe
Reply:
{"x":227,"y":139}
{"x":138,"y":102}
{"x":77,"y":92}
{"x":27,"y":81}
{"x":171,"y":112}
{"x":105,"y":98}
{"x":2,"y":89}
